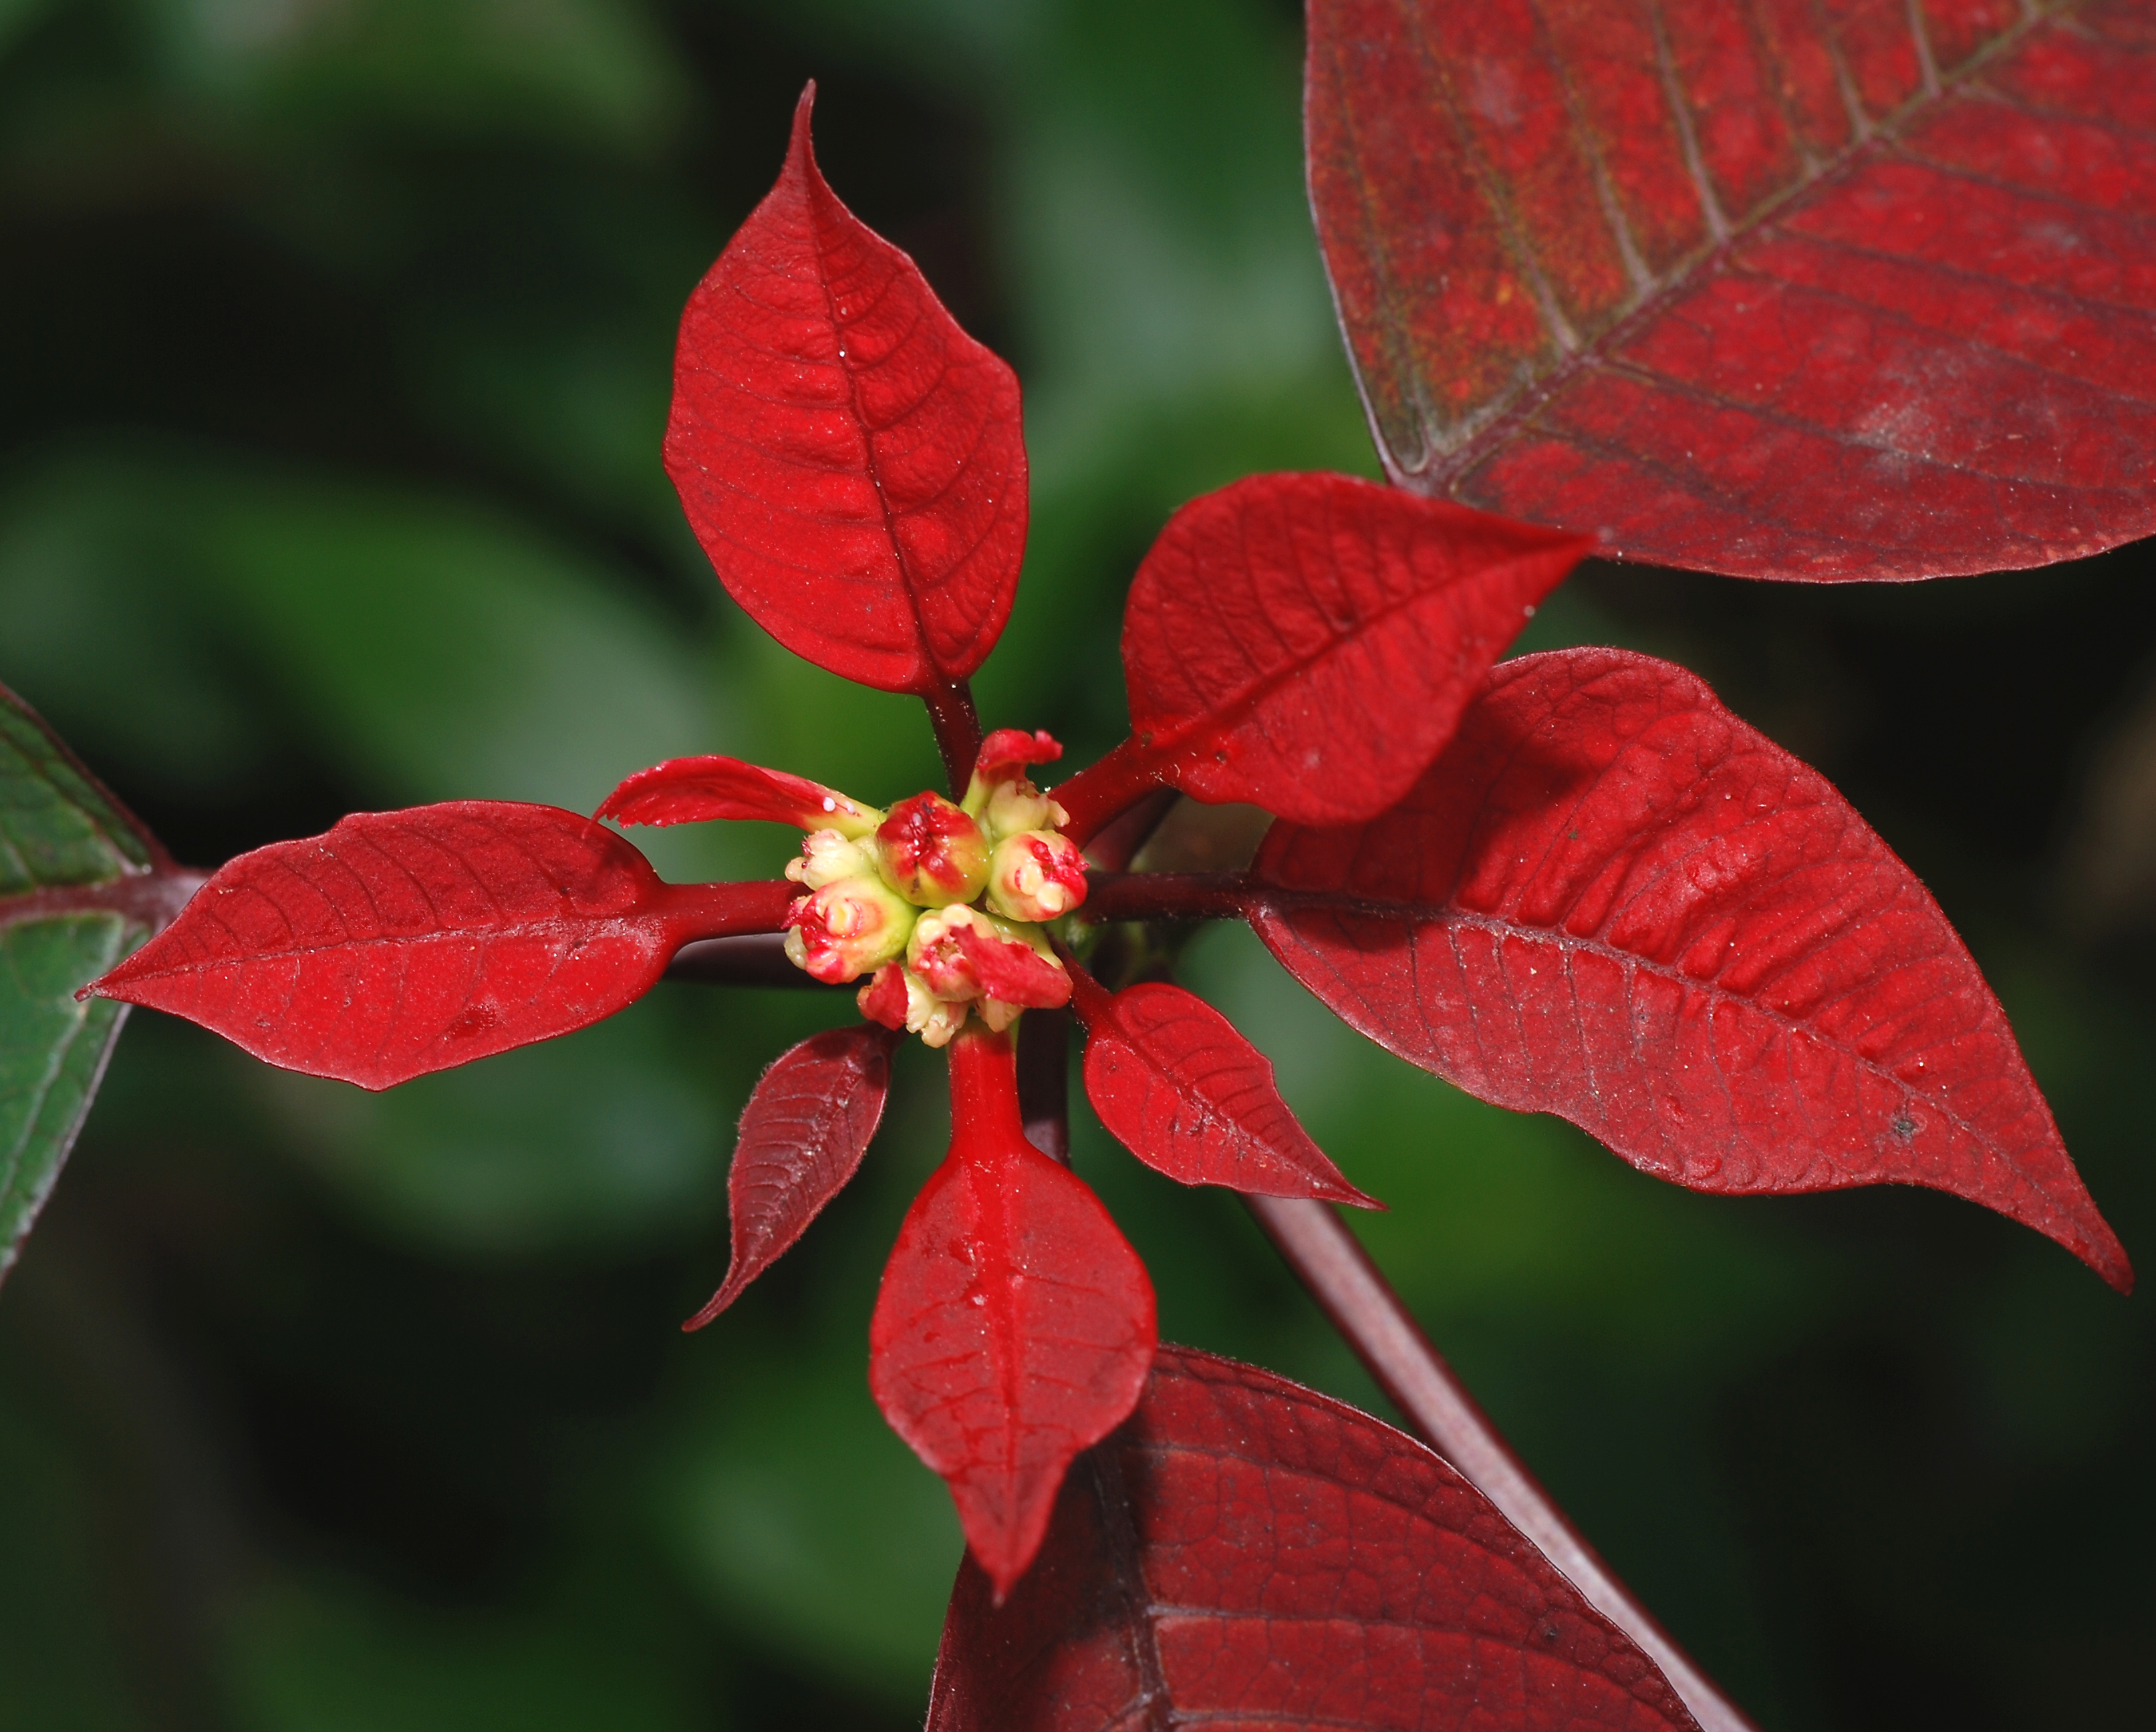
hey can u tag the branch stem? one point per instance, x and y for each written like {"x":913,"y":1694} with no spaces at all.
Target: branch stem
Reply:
{"x":958,"y":725}
{"x":1353,"y":1293}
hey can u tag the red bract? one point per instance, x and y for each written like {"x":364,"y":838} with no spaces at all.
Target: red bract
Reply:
{"x":848,"y":457}
{"x":1789,"y":291}
{"x":1247,"y":1553}
{"x":691,"y":790}
{"x":1015,"y":1326}
{"x":803,"y":1134}
{"x":1305,"y":643}
{"x":1612,"y":901}
{"x":1182,"y":1090}
{"x":403,"y":942}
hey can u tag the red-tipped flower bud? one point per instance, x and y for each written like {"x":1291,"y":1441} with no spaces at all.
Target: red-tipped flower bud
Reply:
{"x":960,"y":953}
{"x":827,"y":856}
{"x":1036,"y":875}
{"x":1000,"y":796}
{"x":930,"y":853}
{"x":847,"y":928}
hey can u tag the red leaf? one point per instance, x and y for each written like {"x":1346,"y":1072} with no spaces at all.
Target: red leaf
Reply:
{"x":1792,"y":291}
{"x":694,"y":791}
{"x":850,"y":458}
{"x":1179,"y":1087}
{"x":1612,"y":901}
{"x":1247,"y":1553}
{"x":1015,"y":1325}
{"x":403,"y":942}
{"x":803,"y":1134}
{"x":1305,"y":643}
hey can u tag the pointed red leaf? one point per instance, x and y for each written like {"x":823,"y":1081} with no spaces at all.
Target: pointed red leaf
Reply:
{"x":1305,"y":643}
{"x":694,"y":791}
{"x":1179,"y":1087}
{"x":1015,"y":1325}
{"x":1245,"y":1553}
{"x":1794,"y":290}
{"x":850,"y":458}
{"x":403,"y":942}
{"x":802,"y":1137}
{"x":1612,"y":901}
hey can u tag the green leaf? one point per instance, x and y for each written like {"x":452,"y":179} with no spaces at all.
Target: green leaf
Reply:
{"x":62,"y":840}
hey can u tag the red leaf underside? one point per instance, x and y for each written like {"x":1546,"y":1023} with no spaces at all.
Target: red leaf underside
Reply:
{"x":693,"y":790}
{"x":1306,"y":643}
{"x":1177,"y":1084}
{"x":1245,"y":1553}
{"x":1612,"y":901}
{"x":1789,"y":290}
{"x":803,"y":1134}
{"x":850,"y":459}
{"x":1015,"y":1325}
{"x":404,"y":942}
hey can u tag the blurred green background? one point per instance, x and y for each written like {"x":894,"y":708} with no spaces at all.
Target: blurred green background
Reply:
{"x":335,"y":346}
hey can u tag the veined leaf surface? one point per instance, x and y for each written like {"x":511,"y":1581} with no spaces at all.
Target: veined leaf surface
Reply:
{"x":1850,"y":289}
{"x":404,"y":942}
{"x":81,"y":883}
{"x":1612,"y":901}
{"x":1244,"y":1553}
{"x":850,"y":459}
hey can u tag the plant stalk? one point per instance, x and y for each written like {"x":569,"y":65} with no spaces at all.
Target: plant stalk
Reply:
{"x":1353,"y":1293}
{"x":958,"y":725}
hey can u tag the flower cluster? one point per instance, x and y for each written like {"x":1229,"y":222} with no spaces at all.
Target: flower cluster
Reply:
{"x":943,"y":905}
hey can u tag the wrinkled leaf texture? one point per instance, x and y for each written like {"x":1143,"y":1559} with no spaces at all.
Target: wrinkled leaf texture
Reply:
{"x":81,"y":883}
{"x":1796,"y":289}
{"x":1176,"y":1083}
{"x":1247,"y":1554}
{"x":405,"y":942}
{"x":1015,"y":1325}
{"x":850,"y":459}
{"x":807,"y":1124}
{"x":1305,"y":643}
{"x":1612,"y":901}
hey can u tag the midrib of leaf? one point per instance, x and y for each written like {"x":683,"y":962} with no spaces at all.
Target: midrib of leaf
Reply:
{"x":1501,"y":420}
{"x":1280,"y":902}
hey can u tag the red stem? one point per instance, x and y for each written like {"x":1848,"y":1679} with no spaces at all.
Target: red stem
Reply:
{"x":1105,"y":787}
{"x":1169,"y":896}
{"x":1353,"y":1293}
{"x":983,"y":1085}
{"x":726,"y":910}
{"x":958,"y":725}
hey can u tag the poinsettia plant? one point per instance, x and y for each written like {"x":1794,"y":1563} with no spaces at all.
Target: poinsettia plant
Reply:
{"x":1571,"y":882}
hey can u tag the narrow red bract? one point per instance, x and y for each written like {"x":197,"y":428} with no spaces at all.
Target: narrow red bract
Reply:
{"x":1244,"y":1553}
{"x":403,"y":942}
{"x":1305,"y":643}
{"x":1178,"y":1086}
{"x":803,"y":1134}
{"x":1015,"y":1324}
{"x":1790,"y":290}
{"x":850,"y":459}
{"x":1612,"y":901}
{"x":692,"y":791}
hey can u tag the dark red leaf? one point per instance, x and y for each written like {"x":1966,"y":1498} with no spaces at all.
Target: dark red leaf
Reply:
{"x":1179,"y":1087}
{"x":1245,"y":1553}
{"x":403,"y":942}
{"x":1794,"y":290}
{"x":1305,"y":643}
{"x":1612,"y":901}
{"x":850,"y":459}
{"x":1015,"y":1324}
{"x":692,"y":791}
{"x":803,"y":1134}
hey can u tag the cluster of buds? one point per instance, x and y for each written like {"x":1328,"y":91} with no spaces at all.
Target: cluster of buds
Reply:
{"x":942,"y":904}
